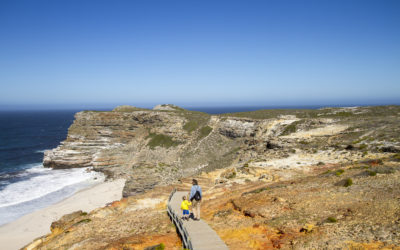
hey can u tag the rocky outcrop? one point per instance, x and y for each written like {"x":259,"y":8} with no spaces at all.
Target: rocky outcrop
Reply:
{"x":235,"y":128}
{"x":167,"y":107}
{"x":254,"y":208}
{"x":271,"y":179}
{"x":134,"y":223}
{"x":159,"y":146}
{"x":146,"y":147}
{"x":100,"y":138}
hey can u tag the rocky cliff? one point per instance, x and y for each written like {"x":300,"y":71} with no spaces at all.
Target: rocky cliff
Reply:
{"x":159,"y":146}
{"x":289,"y":179}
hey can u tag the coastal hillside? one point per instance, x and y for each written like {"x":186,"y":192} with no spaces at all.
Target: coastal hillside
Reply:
{"x":326,"y":178}
{"x":332,"y":206}
{"x":159,"y":146}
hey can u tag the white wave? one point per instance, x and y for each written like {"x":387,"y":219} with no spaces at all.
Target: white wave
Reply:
{"x":41,"y":151}
{"x":4,"y":183}
{"x":45,"y":181}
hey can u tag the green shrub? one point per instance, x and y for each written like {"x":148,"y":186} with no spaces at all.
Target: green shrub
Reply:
{"x":384,"y":170}
{"x":204,"y":131}
{"x":194,"y":119}
{"x":291,"y":128}
{"x":348,"y":182}
{"x":371,"y":173}
{"x":258,"y":190}
{"x":190,"y":126}
{"x":331,"y":220}
{"x":396,"y":156}
{"x":327,"y":172}
{"x":83,"y":214}
{"x":343,"y":114}
{"x":161,"y":141}
{"x":363,"y":146}
{"x":232,"y":175}
{"x":320,"y":163}
{"x":83,"y":221}
{"x":160,"y":247}
{"x":339,"y":172}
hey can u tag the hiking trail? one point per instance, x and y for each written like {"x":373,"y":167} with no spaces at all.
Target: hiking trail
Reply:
{"x":196,"y":235}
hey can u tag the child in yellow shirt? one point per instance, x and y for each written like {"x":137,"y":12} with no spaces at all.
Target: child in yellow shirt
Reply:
{"x":185,"y":208}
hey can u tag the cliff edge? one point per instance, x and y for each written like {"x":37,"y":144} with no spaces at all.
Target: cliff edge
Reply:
{"x":160,"y":146}
{"x":326,"y":178}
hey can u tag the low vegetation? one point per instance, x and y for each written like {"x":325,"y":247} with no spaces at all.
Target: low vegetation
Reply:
{"x":291,"y":128}
{"x":231,"y":175}
{"x":83,"y":221}
{"x":343,"y":114}
{"x":348,"y":182}
{"x":161,"y":140}
{"x":258,"y":190}
{"x":127,"y":108}
{"x":362,"y":146}
{"x":339,"y":172}
{"x":331,"y":220}
{"x":190,"y":126}
{"x":160,"y":246}
{"x":194,"y":119}
{"x":204,"y":131}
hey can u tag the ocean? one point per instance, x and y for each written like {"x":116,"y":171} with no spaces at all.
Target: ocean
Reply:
{"x":25,"y":185}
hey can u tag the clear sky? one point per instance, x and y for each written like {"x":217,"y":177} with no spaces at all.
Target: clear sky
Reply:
{"x":198,"y":53}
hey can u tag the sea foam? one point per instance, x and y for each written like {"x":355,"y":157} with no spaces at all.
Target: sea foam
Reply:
{"x":40,"y":151}
{"x":38,"y":187}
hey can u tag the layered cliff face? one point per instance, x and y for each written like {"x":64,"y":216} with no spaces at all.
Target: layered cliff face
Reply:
{"x":285,"y":179}
{"x":146,"y":147}
{"x":157,"y":147}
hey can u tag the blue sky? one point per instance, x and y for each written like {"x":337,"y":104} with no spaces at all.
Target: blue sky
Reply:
{"x":198,"y":53}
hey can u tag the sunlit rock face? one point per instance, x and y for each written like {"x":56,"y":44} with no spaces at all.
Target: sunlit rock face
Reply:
{"x":271,"y":179}
{"x":159,"y":146}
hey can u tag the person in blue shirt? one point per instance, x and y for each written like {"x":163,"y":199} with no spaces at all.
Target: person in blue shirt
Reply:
{"x":195,"y":197}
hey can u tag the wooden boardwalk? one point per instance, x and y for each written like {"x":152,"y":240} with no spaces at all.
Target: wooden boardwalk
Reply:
{"x":199,"y":236}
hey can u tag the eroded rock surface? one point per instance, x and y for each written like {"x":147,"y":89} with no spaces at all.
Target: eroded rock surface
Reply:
{"x":157,"y":147}
{"x":320,"y":209}
{"x":255,"y":208}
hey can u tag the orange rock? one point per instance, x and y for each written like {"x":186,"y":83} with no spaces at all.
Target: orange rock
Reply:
{"x":123,"y":203}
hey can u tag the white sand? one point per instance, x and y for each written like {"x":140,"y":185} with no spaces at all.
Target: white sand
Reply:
{"x":18,"y":233}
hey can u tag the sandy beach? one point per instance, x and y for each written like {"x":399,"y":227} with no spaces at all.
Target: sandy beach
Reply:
{"x":22,"y":231}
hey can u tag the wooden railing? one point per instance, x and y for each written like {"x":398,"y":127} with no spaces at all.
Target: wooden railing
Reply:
{"x":176,"y":219}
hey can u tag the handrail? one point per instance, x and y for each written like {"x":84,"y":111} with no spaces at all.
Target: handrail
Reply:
{"x":172,"y":193}
{"x":179,"y":224}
